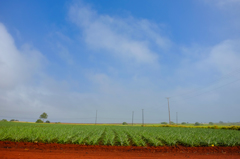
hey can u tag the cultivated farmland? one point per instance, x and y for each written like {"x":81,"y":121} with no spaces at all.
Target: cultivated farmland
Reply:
{"x":117,"y":135}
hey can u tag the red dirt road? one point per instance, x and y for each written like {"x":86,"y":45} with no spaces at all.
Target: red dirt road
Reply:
{"x":12,"y":150}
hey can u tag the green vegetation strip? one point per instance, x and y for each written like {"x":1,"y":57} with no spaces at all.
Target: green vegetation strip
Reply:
{"x":117,"y":135}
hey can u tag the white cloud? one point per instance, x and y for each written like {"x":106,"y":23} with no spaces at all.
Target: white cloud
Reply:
{"x":129,"y":39}
{"x":16,"y":66}
{"x":26,"y":90}
{"x":19,"y":70}
{"x":198,"y":61}
{"x":225,"y":56}
{"x":207,"y":78}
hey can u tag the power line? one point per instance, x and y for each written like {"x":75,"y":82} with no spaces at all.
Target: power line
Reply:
{"x":211,"y":90}
{"x":199,"y":88}
{"x":224,"y":76}
{"x":115,"y":118}
{"x":202,"y":93}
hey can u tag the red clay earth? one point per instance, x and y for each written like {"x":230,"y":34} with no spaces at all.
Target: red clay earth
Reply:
{"x":27,"y":150}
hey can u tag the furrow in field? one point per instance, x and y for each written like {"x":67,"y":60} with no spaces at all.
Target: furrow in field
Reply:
{"x":109,"y":138}
{"x":121,"y":137}
{"x":135,"y":137}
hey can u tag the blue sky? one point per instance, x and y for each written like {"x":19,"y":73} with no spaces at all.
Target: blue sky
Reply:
{"x":71,"y":58}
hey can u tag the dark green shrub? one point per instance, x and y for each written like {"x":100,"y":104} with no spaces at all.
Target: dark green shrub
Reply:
{"x":39,"y":121}
{"x":197,"y":124}
{"x":47,"y":121}
{"x":124,"y":123}
{"x":183,"y":123}
{"x":164,"y":123}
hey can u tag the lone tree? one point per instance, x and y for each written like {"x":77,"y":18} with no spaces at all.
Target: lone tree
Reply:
{"x":43,"y":116}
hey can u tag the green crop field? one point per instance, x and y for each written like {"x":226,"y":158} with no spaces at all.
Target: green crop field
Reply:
{"x":117,"y":135}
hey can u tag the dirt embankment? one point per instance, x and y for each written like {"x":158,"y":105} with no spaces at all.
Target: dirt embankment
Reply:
{"x":40,"y":150}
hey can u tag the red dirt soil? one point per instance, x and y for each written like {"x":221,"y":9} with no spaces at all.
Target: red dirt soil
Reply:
{"x":26,"y":150}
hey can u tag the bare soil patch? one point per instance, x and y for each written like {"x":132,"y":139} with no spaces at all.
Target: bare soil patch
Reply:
{"x":10,"y":149}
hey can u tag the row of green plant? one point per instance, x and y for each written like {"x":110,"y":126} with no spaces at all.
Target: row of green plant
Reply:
{"x":117,"y":135}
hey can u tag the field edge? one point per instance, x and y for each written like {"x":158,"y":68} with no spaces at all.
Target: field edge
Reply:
{"x":75,"y":147}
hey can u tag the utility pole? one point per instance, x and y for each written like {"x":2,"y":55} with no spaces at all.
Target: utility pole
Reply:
{"x":142,"y":117}
{"x":132,"y":117}
{"x":96,"y":118}
{"x":169,"y":111}
{"x":177,"y":117}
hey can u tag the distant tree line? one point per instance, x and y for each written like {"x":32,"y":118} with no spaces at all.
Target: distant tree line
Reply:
{"x":5,"y":120}
{"x":198,"y":124}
